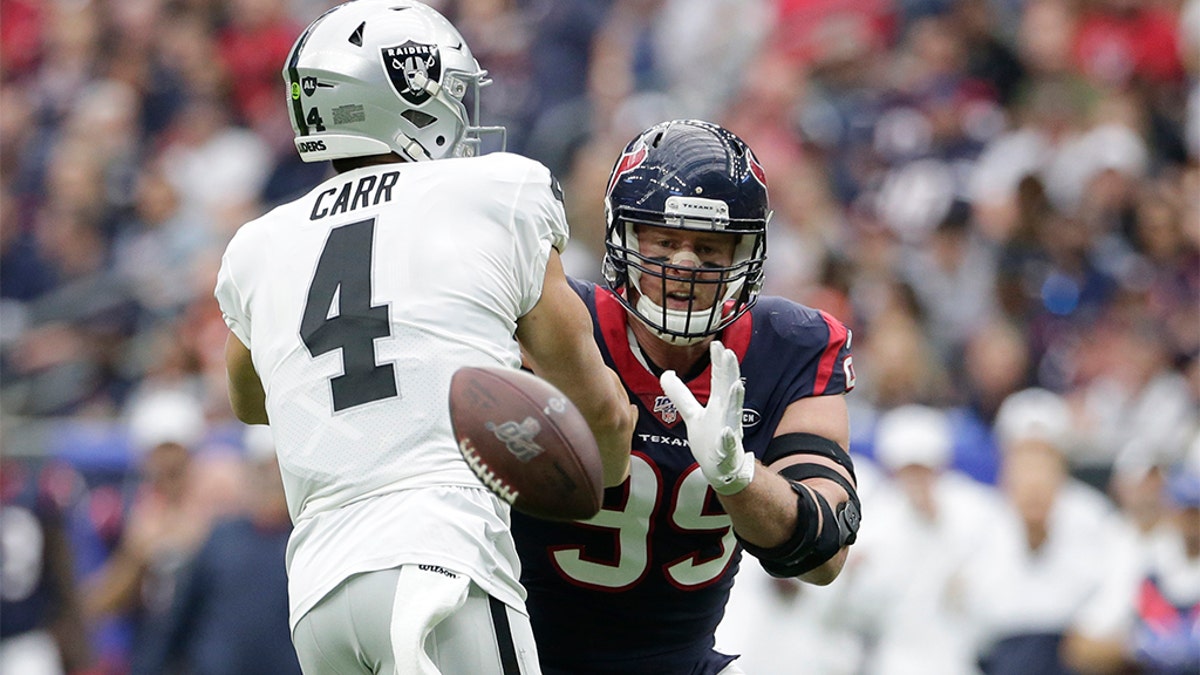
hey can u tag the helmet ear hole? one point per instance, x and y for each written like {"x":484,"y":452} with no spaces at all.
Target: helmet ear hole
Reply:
{"x":418,"y":119}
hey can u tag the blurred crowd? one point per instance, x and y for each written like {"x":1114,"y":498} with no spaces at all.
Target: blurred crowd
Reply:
{"x":1001,"y":198}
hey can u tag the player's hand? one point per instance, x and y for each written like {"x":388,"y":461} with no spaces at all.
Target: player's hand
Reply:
{"x":715,"y":432}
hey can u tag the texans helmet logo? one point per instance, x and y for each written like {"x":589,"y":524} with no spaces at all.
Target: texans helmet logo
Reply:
{"x":411,"y":67}
{"x":756,"y":169}
{"x":629,"y":161}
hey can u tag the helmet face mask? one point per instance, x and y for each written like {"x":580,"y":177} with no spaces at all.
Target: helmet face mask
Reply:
{"x":686,"y":181}
{"x":373,"y":77}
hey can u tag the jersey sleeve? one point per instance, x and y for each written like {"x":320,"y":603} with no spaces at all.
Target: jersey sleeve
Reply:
{"x":233,"y":302}
{"x":540,"y":222}
{"x":835,"y":366}
{"x":819,"y":346}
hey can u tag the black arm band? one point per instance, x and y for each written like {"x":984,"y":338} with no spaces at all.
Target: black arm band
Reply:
{"x":799,"y":472}
{"x":812,"y":545}
{"x":808,"y":444}
{"x":799,"y":444}
{"x":848,"y":514}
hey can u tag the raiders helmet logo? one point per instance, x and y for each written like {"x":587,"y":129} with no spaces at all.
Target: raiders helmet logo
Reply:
{"x":309,"y":84}
{"x":410,"y":68}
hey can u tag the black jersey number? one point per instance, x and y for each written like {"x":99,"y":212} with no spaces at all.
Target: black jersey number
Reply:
{"x":339,"y":315}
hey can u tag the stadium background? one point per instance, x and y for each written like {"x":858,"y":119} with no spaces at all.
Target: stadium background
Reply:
{"x":993,"y":194}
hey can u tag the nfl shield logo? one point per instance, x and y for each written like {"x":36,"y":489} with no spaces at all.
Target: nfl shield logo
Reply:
{"x":410,"y":67}
{"x":665,"y":410}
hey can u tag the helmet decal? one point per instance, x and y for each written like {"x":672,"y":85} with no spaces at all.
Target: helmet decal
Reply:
{"x":410,"y":68}
{"x":756,"y":168}
{"x":629,"y":161}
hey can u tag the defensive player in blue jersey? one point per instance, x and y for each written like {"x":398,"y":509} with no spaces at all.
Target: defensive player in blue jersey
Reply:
{"x":742,"y":432}
{"x":42,"y":627}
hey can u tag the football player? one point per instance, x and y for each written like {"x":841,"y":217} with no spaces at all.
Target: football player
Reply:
{"x":42,"y":624}
{"x":741,"y":442}
{"x":351,"y":307}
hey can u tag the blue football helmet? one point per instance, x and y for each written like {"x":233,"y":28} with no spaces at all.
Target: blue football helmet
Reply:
{"x":695,"y":176}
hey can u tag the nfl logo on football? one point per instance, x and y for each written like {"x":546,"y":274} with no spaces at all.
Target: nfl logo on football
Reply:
{"x":665,"y":409}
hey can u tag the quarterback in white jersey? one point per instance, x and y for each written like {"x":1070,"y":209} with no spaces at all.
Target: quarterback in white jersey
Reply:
{"x":351,"y":308}
{"x":408,"y":273}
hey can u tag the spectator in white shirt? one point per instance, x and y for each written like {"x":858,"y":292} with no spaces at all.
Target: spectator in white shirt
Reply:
{"x":928,"y":524}
{"x":1061,"y":564}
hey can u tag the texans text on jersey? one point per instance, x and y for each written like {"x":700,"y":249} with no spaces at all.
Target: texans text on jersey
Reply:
{"x":663,"y":440}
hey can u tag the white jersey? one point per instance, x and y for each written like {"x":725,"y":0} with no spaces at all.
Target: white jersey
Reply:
{"x":358,"y":302}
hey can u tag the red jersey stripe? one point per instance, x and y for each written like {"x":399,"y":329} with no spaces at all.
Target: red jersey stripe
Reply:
{"x":837,"y":338}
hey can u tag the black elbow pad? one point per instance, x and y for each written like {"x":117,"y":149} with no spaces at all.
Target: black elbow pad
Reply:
{"x":812,"y":546}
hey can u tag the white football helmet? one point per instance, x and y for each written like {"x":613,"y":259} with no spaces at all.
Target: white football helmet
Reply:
{"x":370,"y":77}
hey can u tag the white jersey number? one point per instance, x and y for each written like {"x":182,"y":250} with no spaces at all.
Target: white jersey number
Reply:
{"x":339,"y":315}
{"x":631,"y":529}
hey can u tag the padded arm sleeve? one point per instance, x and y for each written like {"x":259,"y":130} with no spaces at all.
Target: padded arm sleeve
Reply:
{"x":811,"y":545}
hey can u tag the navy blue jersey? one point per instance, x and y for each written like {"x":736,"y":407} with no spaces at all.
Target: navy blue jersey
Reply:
{"x":641,"y":587}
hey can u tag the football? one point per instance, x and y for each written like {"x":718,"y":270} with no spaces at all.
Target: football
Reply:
{"x":527,"y":442}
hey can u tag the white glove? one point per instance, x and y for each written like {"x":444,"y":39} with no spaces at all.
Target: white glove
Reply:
{"x":715,"y":432}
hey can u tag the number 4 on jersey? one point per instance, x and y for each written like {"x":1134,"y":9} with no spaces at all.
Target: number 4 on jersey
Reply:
{"x":338,"y":315}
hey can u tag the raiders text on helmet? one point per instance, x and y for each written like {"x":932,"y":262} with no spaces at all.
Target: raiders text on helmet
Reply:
{"x":687,"y":175}
{"x":370,"y":77}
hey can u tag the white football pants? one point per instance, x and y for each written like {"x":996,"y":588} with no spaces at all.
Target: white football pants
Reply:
{"x":414,"y":620}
